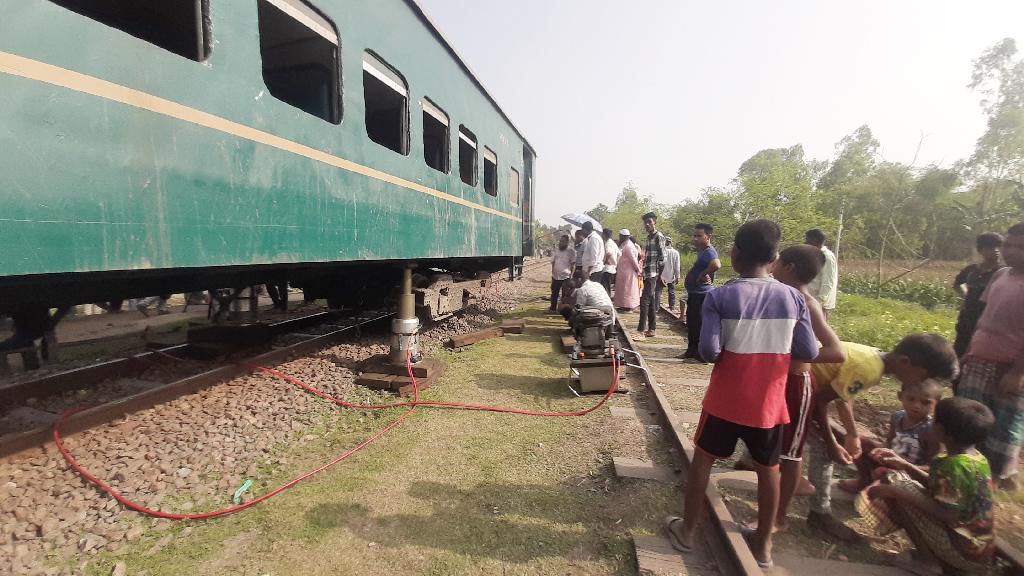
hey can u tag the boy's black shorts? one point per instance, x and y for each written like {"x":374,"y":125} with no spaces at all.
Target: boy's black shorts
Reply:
{"x":718,"y":438}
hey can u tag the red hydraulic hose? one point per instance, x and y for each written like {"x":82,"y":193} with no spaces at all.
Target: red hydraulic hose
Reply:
{"x":411,"y":405}
{"x":224,"y":511}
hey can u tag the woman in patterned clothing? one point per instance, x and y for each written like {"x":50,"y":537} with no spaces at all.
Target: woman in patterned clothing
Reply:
{"x":950,"y":521}
{"x":970,"y":284}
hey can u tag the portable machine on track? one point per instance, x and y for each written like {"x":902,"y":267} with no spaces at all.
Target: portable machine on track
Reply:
{"x":593,"y":356}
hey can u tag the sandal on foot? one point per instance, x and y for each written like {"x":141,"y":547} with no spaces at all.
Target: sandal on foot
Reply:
{"x":748,"y":534}
{"x":672,"y":538}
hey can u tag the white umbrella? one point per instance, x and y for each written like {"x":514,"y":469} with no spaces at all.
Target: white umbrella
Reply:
{"x":579,"y":219}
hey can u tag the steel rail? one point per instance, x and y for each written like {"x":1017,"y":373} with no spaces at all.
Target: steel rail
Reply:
{"x":107,"y":412}
{"x":127,"y":367}
{"x":725,"y":540}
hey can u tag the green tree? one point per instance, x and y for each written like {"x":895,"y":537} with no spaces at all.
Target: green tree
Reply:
{"x":942,"y":233}
{"x":996,"y":169}
{"x":599,"y":212}
{"x":777,"y":184}
{"x":630,"y":206}
{"x":715,"y":206}
{"x":856,"y":157}
{"x":546,"y":237}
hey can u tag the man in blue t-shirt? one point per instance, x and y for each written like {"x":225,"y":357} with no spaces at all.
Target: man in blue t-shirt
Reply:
{"x":699,"y":281}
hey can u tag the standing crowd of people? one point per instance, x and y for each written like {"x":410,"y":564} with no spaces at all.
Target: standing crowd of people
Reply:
{"x":779,"y":367}
{"x":634,"y":275}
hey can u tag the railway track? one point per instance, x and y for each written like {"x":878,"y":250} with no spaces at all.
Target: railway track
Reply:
{"x":186,"y":441}
{"x":117,"y":387}
{"x":724,"y":539}
{"x":141,"y":381}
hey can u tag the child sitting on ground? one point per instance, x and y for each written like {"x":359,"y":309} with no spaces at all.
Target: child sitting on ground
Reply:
{"x":951,"y":521}
{"x":915,"y":358}
{"x":909,"y":436}
{"x":752,"y":327}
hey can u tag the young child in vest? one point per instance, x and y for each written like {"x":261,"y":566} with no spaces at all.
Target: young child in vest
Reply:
{"x":909,"y":436}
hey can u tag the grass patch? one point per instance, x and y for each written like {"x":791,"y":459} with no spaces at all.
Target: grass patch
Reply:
{"x":927,"y":293}
{"x":882,"y":322}
{"x":447,"y":492}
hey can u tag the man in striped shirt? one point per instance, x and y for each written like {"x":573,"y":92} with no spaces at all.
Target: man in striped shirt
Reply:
{"x":654,"y":263}
{"x":752,"y":328}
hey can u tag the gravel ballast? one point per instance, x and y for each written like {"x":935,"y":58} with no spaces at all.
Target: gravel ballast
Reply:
{"x":190,"y":454}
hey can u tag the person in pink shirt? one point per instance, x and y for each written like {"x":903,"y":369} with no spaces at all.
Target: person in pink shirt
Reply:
{"x":993,"y":370}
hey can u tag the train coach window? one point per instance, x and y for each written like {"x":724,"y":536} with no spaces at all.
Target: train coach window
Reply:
{"x":467,"y":156}
{"x":387,"y":105}
{"x":299,"y":48}
{"x":490,"y":172}
{"x":513,"y":186}
{"x":435,"y":137}
{"x":180,"y":26}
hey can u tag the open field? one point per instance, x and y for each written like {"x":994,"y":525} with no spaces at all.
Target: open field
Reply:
{"x":935,"y":271}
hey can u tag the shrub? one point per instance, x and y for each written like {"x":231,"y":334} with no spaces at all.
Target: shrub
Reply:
{"x":926,"y":293}
{"x":882,"y":322}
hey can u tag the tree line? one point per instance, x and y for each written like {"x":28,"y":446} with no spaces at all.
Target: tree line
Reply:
{"x":869,"y":207}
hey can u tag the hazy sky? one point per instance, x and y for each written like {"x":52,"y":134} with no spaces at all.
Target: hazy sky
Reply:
{"x":675,"y":95}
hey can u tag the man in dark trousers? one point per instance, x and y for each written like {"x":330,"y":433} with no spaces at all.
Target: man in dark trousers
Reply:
{"x":593,"y":253}
{"x":562,"y":267}
{"x":699,"y":281}
{"x":654,"y":264}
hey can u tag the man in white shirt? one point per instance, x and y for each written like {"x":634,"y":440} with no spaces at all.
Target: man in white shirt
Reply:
{"x":670,"y":275}
{"x":593,"y":253}
{"x":825,"y":284}
{"x":611,"y":260}
{"x":562,"y":263}
{"x":589,"y":294}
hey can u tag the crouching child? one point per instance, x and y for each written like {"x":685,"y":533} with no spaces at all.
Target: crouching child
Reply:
{"x":947,"y":510}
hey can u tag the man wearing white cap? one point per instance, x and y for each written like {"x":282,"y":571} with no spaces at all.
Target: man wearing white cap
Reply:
{"x":627,"y":273}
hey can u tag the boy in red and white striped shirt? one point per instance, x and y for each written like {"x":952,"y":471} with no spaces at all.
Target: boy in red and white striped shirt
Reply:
{"x":753,"y":326}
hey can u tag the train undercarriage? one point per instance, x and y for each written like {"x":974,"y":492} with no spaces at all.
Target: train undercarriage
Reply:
{"x":442,"y":286}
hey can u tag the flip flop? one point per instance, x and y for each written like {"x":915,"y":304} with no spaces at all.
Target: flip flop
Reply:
{"x":672,"y":538}
{"x":748,"y":534}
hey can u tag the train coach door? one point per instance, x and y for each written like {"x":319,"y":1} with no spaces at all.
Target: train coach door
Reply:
{"x":528,"y":159}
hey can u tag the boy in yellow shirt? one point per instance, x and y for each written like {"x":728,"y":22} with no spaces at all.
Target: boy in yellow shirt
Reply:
{"x":915,"y":358}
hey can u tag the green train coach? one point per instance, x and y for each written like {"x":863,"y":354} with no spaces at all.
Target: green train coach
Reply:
{"x":157,"y":146}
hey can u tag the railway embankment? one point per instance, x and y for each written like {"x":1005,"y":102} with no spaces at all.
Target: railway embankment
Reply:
{"x":445,"y":492}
